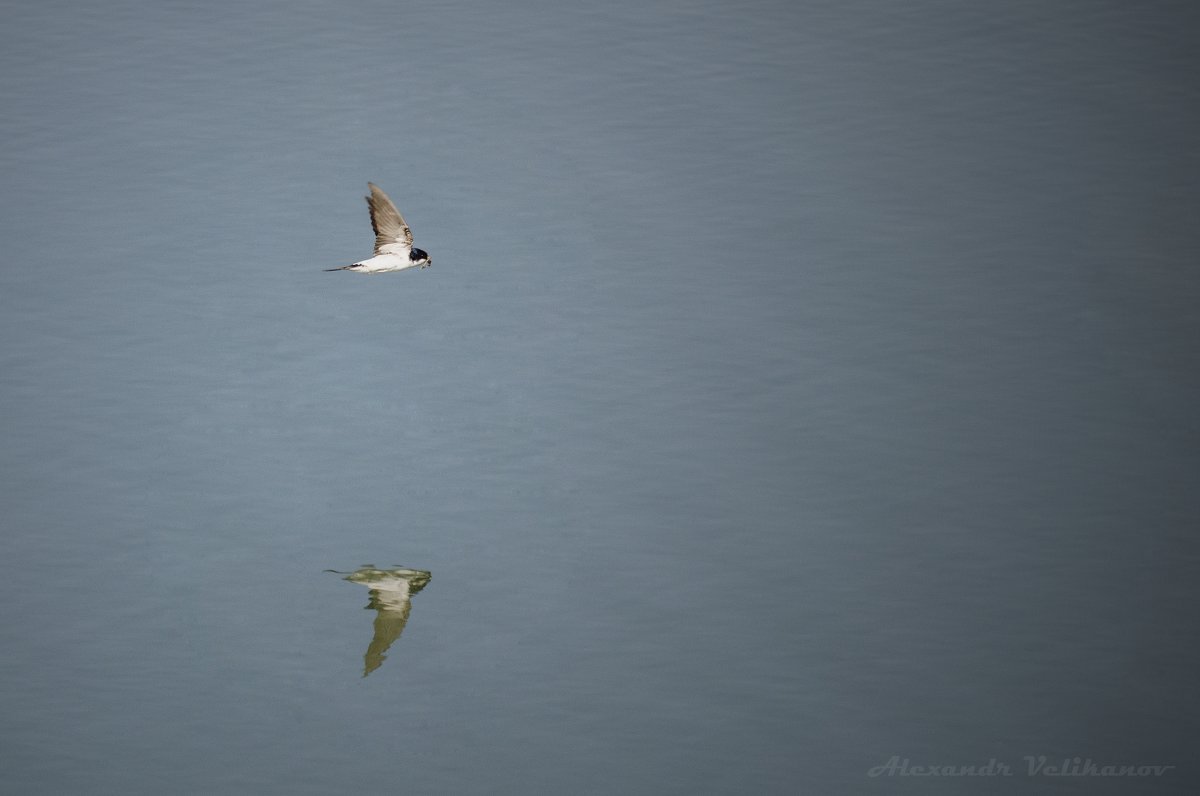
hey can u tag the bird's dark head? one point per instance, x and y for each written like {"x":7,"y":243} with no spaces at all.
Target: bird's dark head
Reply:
{"x":419,"y":257}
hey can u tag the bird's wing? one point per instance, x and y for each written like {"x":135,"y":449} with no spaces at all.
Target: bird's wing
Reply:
{"x":388,"y":224}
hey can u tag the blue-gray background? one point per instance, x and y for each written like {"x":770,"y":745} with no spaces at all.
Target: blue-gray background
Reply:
{"x":796,"y":385}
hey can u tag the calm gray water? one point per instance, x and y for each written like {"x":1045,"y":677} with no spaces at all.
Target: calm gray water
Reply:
{"x":796,"y":386}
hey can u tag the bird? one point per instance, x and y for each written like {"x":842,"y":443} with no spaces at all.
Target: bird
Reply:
{"x":393,"y":240}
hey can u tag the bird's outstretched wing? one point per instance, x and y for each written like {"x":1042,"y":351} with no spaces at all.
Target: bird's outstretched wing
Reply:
{"x":388,"y":224}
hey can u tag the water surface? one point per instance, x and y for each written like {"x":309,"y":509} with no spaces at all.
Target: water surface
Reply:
{"x":796,"y":386}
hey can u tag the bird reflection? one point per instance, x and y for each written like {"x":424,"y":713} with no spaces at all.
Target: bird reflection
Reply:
{"x":391,"y":592}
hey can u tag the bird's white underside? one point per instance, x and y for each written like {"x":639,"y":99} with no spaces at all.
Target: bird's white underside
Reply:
{"x":382,"y":263}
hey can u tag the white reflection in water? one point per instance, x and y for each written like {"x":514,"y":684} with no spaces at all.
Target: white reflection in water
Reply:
{"x":391,"y":592}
